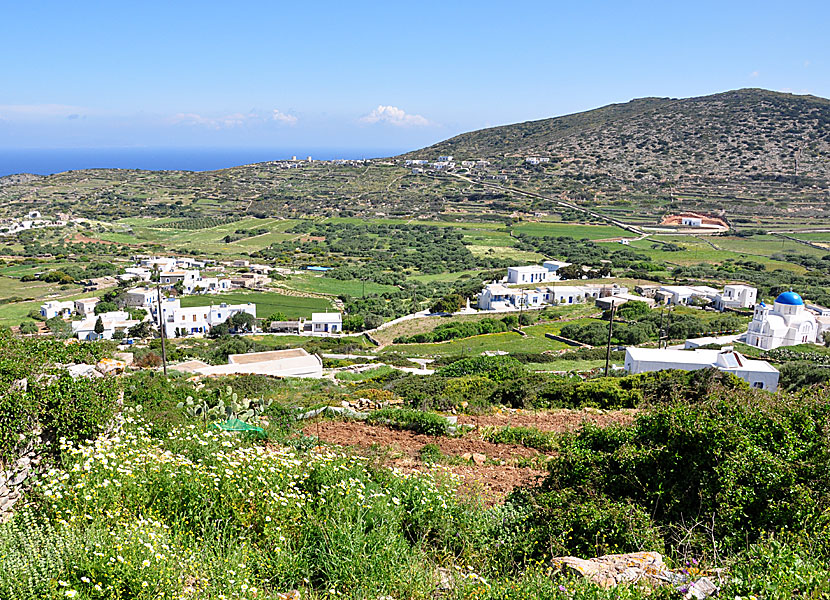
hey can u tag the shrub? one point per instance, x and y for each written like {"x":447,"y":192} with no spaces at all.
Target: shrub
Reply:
{"x":743,"y":462}
{"x":418,"y":421}
{"x":147,"y":359}
{"x":496,"y":368}
{"x":76,"y":409}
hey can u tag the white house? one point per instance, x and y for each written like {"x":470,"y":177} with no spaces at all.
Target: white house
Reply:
{"x":553,"y":266}
{"x":736,"y":295}
{"x":528,"y":275}
{"x":759,"y":373}
{"x":819,"y":311}
{"x":181,"y":320}
{"x":189,"y":278}
{"x":112,"y":322}
{"x":162,"y":263}
{"x":692,"y":222}
{"x":54,"y":308}
{"x":141,"y":273}
{"x":326,"y":322}
{"x":496,"y":296}
{"x":141,"y":297}
{"x":86,"y":306}
{"x":786,"y":323}
{"x":564,"y":294}
{"x":214,"y":285}
{"x":682,"y":294}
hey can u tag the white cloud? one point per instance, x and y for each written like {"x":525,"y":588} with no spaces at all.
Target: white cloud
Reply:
{"x":393,"y":115}
{"x":754,"y":74}
{"x":231,"y":120}
{"x":282,"y":117}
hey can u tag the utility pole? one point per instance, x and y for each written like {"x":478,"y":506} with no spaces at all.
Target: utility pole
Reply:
{"x":610,"y":329}
{"x":161,"y":329}
{"x":660,"y":332}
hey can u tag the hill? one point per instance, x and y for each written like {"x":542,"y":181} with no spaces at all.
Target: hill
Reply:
{"x":744,"y":134}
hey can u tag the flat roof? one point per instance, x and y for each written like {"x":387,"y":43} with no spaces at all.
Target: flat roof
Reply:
{"x":257,"y":357}
{"x":332,"y":316}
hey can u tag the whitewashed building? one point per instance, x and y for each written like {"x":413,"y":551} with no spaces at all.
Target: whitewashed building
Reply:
{"x":683,"y":294}
{"x":141,"y":297}
{"x":528,"y":275}
{"x":692,"y":222}
{"x":55,"y":308}
{"x":181,"y":320}
{"x":112,"y":322}
{"x":736,"y":295}
{"x":759,"y":373}
{"x":326,"y":322}
{"x":86,"y":306}
{"x":785,"y":323}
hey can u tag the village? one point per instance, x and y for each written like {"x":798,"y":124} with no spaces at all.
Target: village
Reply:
{"x":153,"y":287}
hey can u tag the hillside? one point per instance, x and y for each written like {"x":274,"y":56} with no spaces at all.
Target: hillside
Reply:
{"x":750,"y":134}
{"x":754,"y":157}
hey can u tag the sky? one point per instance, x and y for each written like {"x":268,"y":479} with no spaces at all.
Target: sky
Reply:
{"x":374,"y":74}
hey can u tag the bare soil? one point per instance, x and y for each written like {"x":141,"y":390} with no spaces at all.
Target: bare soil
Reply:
{"x":505,"y":465}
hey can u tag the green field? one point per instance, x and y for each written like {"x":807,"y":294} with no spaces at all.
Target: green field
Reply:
{"x":574,"y":230}
{"x":327,"y":285}
{"x":266,"y":303}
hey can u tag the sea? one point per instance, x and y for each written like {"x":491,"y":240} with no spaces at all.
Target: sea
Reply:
{"x":57,"y":160}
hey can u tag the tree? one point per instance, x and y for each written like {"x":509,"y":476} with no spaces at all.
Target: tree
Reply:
{"x":28,"y":327}
{"x":277,"y":316}
{"x":448,"y":304}
{"x":118,"y":334}
{"x":137,"y":314}
{"x":528,"y":318}
{"x":59,"y":327}
{"x":220,"y":330}
{"x":243,"y":321}
{"x":105,"y":307}
{"x":141,"y":330}
{"x":99,"y":326}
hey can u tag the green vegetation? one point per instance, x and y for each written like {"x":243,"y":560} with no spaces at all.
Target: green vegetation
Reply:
{"x":426,"y":423}
{"x":164,"y":502}
{"x":266,"y":302}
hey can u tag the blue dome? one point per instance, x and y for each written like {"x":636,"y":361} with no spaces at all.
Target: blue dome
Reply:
{"x":790,"y":298}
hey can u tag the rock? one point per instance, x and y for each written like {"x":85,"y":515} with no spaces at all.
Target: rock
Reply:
{"x":467,"y":456}
{"x":290,"y":595}
{"x":20,"y":385}
{"x":479,"y":458}
{"x":702,"y":588}
{"x":19,"y":478}
{"x":613,"y":569}
{"x":4,"y":491}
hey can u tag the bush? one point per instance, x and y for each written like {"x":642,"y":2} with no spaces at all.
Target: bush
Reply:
{"x":418,"y":421}
{"x":146,"y":359}
{"x":736,"y":463}
{"x":76,"y":409}
{"x":496,"y":368}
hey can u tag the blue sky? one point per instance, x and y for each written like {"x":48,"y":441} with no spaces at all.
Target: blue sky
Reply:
{"x":374,"y":75}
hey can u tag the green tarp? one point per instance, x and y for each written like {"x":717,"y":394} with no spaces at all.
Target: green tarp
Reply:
{"x":241,"y":426}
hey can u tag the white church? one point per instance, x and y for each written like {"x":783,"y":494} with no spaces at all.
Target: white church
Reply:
{"x":786,"y":323}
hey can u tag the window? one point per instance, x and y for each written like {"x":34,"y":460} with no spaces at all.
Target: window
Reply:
{"x":758,"y":384}
{"x":194,"y":317}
